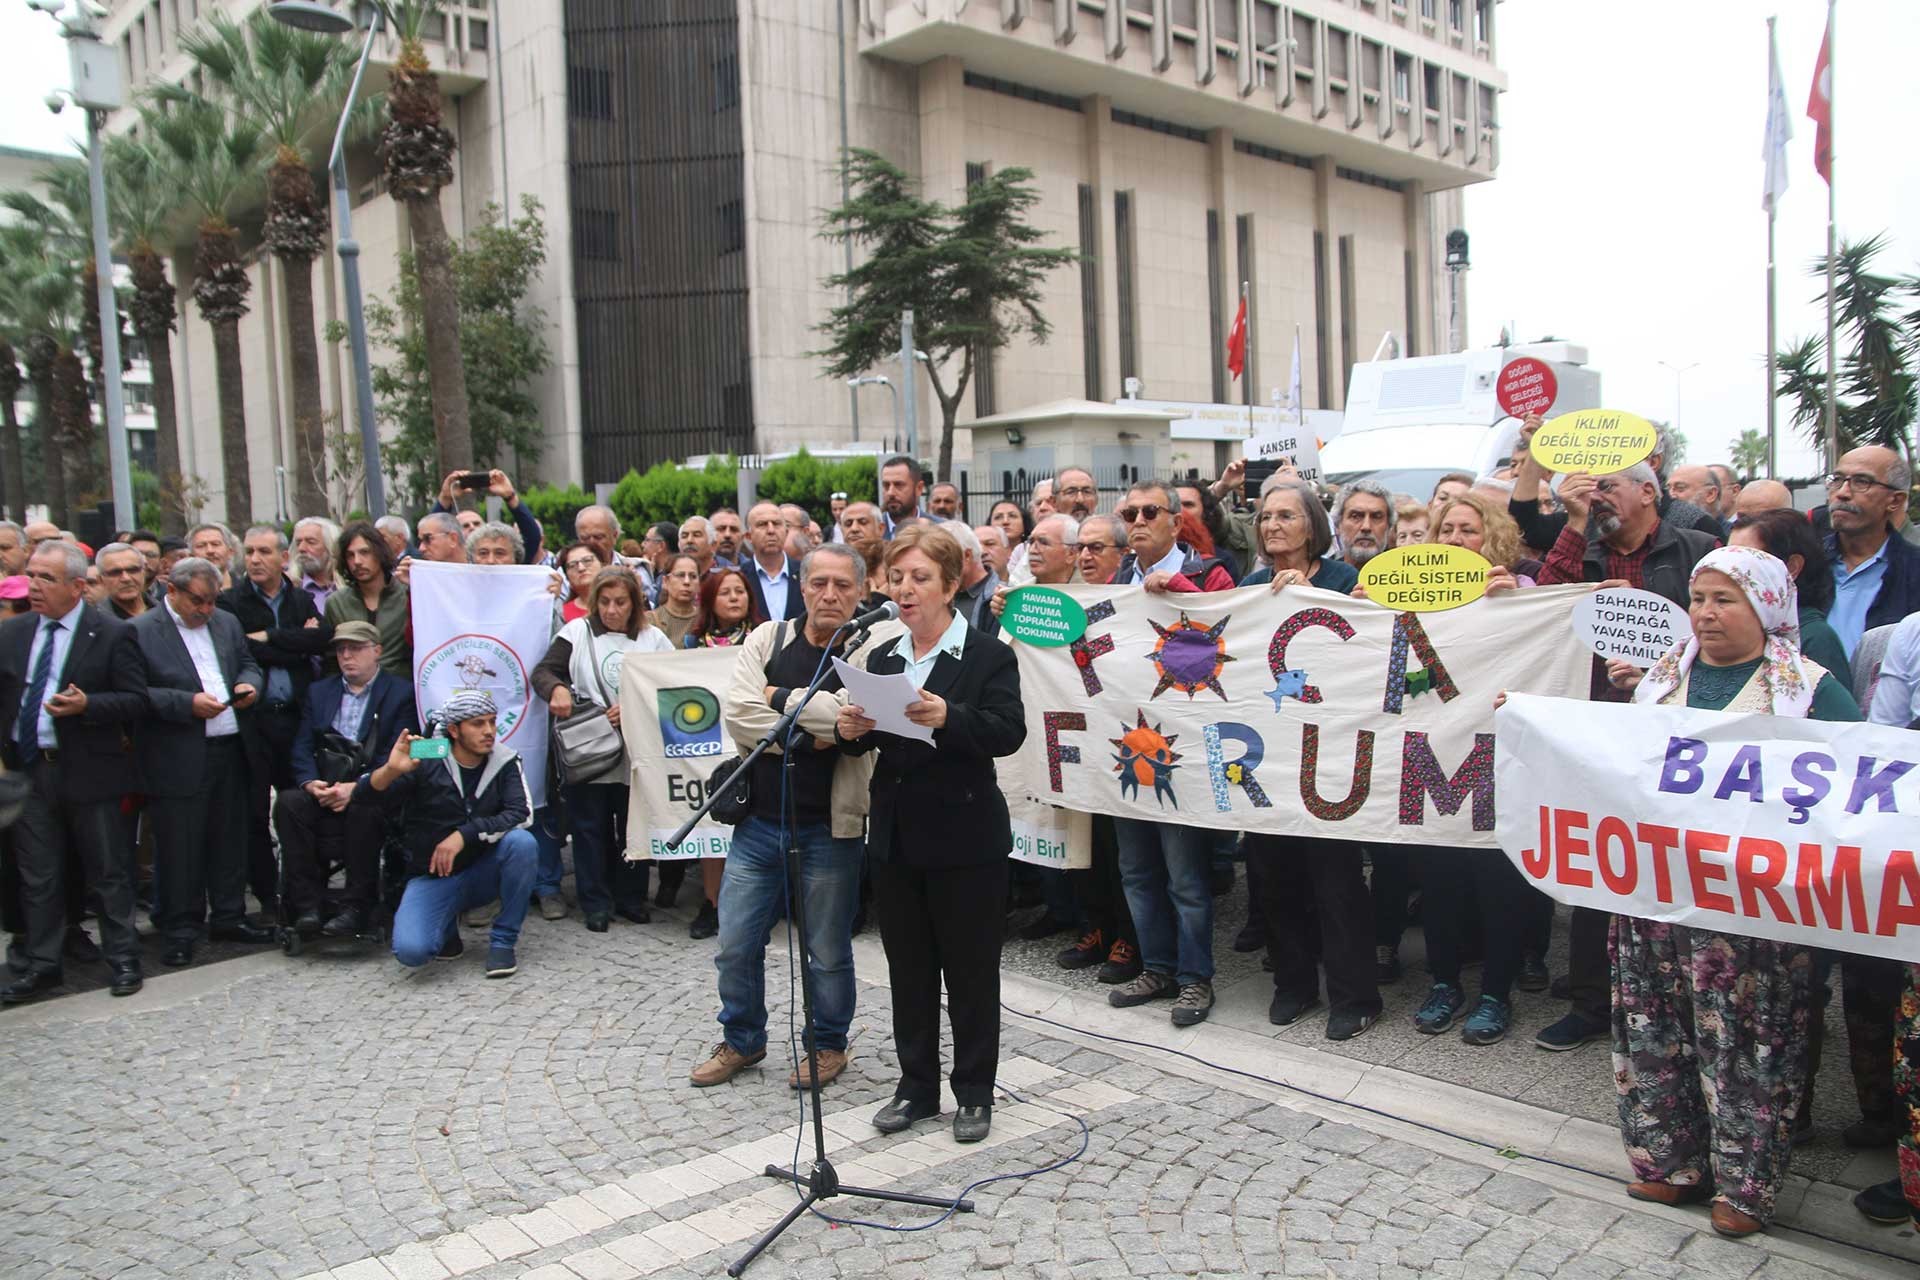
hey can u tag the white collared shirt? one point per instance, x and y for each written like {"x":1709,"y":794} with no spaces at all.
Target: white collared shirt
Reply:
{"x":952,"y":641}
{"x":1174,"y":561}
{"x":774,"y":588}
{"x":199,"y":642}
{"x":62,"y":642}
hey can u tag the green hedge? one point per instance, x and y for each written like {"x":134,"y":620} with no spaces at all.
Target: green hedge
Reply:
{"x":555,"y":509}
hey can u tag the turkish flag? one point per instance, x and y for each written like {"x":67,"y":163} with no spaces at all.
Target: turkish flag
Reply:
{"x":1237,"y":340}
{"x":1820,"y":111}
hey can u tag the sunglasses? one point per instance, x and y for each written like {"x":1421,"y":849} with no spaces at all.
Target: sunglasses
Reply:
{"x":1150,"y":512}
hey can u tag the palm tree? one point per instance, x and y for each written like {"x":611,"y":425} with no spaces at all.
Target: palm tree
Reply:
{"x":1750,"y":454}
{"x":1876,"y":384}
{"x":417,"y":151}
{"x":291,"y":84}
{"x":64,"y":224}
{"x":10,"y":458}
{"x":40,"y":305}
{"x":142,"y":202}
{"x":214,"y":159}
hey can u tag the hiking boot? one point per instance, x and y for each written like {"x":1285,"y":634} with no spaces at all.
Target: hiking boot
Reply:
{"x":1192,"y":1004}
{"x":1488,"y":1022}
{"x":726,"y":1063}
{"x":1150,"y":985}
{"x":1386,"y":964}
{"x":1123,"y":963}
{"x":1084,"y":954}
{"x":831,"y":1063}
{"x":553,"y":907}
{"x":1443,"y":1005}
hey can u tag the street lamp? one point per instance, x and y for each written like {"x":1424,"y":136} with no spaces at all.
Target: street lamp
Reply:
{"x":308,"y":16}
{"x":97,"y":89}
{"x":1679,"y":372}
{"x":881,"y":380}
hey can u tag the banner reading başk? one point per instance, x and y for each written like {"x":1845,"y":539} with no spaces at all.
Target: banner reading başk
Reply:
{"x":1801,"y":831}
{"x":484,"y":627}
{"x":1304,"y":712}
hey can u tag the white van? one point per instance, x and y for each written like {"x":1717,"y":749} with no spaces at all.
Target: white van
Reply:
{"x":1409,"y":422}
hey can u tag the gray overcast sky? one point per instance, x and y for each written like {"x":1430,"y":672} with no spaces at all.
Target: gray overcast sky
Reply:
{"x":1627,"y":211}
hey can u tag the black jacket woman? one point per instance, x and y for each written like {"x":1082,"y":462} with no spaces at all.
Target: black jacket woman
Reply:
{"x":939,"y":835}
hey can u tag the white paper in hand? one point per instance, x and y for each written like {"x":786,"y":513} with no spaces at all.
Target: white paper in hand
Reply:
{"x":884,"y":698}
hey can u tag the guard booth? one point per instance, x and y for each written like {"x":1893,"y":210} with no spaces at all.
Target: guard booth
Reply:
{"x":1119,"y":443}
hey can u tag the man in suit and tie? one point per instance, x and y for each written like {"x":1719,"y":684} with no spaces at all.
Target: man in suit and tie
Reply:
{"x":772,"y":575}
{"x":71,"y":680}
{"x":316,"y":816}
{"x":202,"y":684}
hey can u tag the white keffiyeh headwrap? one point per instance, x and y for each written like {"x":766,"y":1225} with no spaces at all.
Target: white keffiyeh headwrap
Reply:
{"x":1769,"y":589}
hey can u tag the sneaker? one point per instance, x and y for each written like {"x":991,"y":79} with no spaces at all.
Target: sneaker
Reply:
{"x":706,"y":924}
{"x":1533,"y":973}
{"x":481,"y":917}
{"x":1571,"y":1032}
{"x":1123,"y":964}
{"x":1192,"y":1004}
{"x":1488,"y":1022}
{"x":1345,"y":1024}
{"x":1084,"y":954}
{"x":1289,"y":1007}
{"x":1443,"y":1005}
{"x":500,"y":962}
{"x":1150,"y":985}
{"x":553,"y":907}
{"x":452,"y":948}
{"x":726,"y":1063}
{"x":831,"y":1062}
{"x":1884,"y":1203}
{"x":1252,"y":937}
{"x":1386,"y":964}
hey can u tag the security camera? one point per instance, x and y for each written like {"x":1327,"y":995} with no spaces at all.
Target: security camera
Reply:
{"x":46,"y":6}
{"x":56,"y":102}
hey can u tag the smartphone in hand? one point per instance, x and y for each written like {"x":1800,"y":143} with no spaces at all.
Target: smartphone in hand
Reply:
{"x":474,"y":480}
{"x":430,"y":748}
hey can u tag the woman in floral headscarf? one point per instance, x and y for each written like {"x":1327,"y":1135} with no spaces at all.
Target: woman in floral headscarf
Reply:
{"x":1710,"y":1029}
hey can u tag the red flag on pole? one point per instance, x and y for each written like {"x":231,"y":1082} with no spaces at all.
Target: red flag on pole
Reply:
{"x":1820,"y":111}
{"x":1237,"y":340}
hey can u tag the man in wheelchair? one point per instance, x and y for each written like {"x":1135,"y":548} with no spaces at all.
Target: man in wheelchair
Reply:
{"x":348,"y":724}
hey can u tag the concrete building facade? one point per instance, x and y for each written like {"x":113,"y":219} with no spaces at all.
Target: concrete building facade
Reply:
{"x":684,"y":152}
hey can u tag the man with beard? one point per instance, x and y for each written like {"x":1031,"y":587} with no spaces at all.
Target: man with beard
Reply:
{"x":1364,"y":521}
{"x":1630,"y":546}
{"x":900,"y":488}
{"x":728,"y":536}
{"x":314,"y":539}
{"x":696,"y":540}
{"x":943,"y":501}
{"x":1540,"y":529}
{"x":373,"y":596}
{"x":1073,"y":494}
{"x":1876,"y":573}
{"x":1730,"y":488}
{"x":124,"y":570}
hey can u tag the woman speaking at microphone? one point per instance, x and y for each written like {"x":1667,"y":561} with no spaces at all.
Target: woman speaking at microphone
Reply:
{"x":939,"y":834}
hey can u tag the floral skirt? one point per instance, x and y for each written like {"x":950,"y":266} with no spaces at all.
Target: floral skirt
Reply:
{"x":1906,"y":1084}
{"x":1709,"y":1056}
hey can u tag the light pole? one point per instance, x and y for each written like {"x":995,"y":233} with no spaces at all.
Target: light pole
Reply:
{"x":879,"y":379}
{"x":97,"y":89}
{"x":318,"y":17}
{"x":1679,"y":372}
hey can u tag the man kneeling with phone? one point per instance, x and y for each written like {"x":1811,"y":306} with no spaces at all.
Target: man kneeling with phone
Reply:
{"x":465,"y":814}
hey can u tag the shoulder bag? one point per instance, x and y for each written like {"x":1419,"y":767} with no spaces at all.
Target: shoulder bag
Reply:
{"x":586,"y":744}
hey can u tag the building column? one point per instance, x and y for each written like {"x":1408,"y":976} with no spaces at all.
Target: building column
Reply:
{"x":1414,"y":204}
{"x":943,"y":130}
{"x":1328,"y":303}
{"x":1098,"y":111}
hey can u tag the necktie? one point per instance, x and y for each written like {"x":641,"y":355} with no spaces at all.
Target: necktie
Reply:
{"x":27,"y":730}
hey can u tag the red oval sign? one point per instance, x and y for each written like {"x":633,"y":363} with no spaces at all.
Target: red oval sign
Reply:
{"x":1526,"y":386}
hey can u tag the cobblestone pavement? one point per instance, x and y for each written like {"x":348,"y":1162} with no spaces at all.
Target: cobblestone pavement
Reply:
{"x":332,"y":1114}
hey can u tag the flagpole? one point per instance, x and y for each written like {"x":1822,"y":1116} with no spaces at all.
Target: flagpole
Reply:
{"x":1246,"y":367}
{"x":1833,"y":138}
{"x":1293,"y":379}
{"x":1773,"y":382}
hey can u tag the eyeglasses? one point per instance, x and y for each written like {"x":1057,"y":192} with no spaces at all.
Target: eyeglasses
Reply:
{"x":1858,"y":483}
{"x":1149,"y":513}
{"x":1048,"y":542}
{"x":1076,"y":491}
{"x":1097,"y":548}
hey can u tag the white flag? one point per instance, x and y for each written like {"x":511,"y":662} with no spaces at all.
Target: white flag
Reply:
{"x":1293,"y":379}
{"x":1779,"y":129}
{"x":484,"y":627}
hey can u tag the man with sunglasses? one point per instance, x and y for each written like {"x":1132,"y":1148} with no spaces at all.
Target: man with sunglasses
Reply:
{"x":1876,"y":574}
{"x":1155,"y":558}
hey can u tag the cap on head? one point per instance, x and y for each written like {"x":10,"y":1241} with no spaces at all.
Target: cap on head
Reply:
{"x":355,"y":633}
{"x":466,"y":705}
{"x":14,"y":588}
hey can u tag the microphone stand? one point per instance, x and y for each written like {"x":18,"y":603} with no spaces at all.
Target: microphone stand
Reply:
{"x":821,"y":1181}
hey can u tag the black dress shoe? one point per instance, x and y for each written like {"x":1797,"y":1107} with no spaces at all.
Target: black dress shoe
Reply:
{"x":1252,"y":937}
{"x":177,"y":954}
{"x":598,"y":922}
{"x":80,"y":947}
{"x":1289,"y":1007}
{"x":307,"y":923}
{"x":897,"y":1115}
{"x":638,"y":915}
{"x":347,"y":924}
{"x":126,"y":980}
{"x":970,"y":1124}
{"x":245,"y":931}
{"x":31,"y":987}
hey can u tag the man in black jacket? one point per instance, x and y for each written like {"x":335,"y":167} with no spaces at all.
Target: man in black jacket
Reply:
{"x":71,"y":681}
{"x":464,"y":818}
{"x":286,"y":635}
{"x":1541,"y":531}
{"x":202,"y":684}
{"x":366,"y":709}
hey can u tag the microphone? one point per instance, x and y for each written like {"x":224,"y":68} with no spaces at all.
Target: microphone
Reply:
{"x":885,"y":611}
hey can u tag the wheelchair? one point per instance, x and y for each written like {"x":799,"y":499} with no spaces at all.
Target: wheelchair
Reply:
{"x":379,"y":926}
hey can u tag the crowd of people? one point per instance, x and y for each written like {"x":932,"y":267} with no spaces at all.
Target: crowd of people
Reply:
{"x":199,"y":718}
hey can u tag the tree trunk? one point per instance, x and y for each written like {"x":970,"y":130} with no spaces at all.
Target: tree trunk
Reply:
{"x":83,"y":471}
{"x":166,"y":430}
{"x":233,"y":422}
{"x":440,"y":321}
{"x":53,"y":477}
{"x":16,"y":478}
{"x":303,"y":356}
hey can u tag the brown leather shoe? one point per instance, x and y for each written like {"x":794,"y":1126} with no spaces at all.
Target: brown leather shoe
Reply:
{"x":1729,"y":1221}
{"x":1670,"y":1193}
{"x":724,"y":1065}
{"x":831,"y":1063}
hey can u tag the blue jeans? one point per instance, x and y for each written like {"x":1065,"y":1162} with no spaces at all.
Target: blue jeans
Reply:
{"x":430,"y":908}
{"x":751,"y":892}
{"x":1167,"y":870}
{"x":546,"y":834}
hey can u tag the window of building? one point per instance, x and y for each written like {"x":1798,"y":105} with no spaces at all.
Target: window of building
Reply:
{"x":1483,"y":21}
{"x":1185,"y":13}
{"x":983,"y":380}
{"x":1226,"y":21}
{"x":1337,"y":68}
{"x":732,"y":215}
{"x":1124,"y":270}
{"x":1266,"y":26}
{"x":1216,"y":306}
{"x":1347,"y":303}
{"x":1303,"y":50}
{"x":1428,"y":8}
{"x":1456,"y":15}
{"x":477,"y":34}
{"x":726,"y":81}
{"x":434,"y":28}
{"x":589,"y":93}
{"x":1402,"y":80}
{"x":1430,"y":86}
{"x":596,"y":234}
{"x":1089,"y":291}
{"x":1411,"y":286}
{"x":1321,"y":365}
{"x":1245,"y":255}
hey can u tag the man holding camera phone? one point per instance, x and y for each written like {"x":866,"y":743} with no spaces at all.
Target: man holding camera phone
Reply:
{"x":348,"y":723}
{"x":495,"y":484}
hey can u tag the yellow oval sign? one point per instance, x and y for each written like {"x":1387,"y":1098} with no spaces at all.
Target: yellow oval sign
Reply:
{"x":1597,"y":441}
{"x":1425,"y":578}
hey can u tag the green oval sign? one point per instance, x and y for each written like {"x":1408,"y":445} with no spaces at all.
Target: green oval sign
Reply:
{"x":1043,"y":616}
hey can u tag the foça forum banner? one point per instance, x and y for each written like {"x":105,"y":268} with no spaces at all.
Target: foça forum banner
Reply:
{"x":1800,"y":831}
{"x":1304,"y":712}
